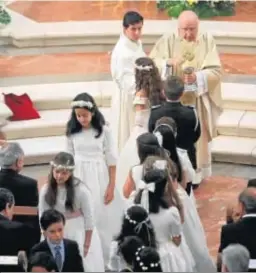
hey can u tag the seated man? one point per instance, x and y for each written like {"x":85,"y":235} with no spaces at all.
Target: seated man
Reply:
{"x":64,"y":251}
{"x":188,"y":125}
{"x":235,"y":258}
{"x":42,"y":262}
{"x":243,"y":231}
{"x":22,"y":187}
{"x":14,"y":236}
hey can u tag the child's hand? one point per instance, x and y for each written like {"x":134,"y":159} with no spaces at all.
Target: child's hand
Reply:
{"x":109,"y":194}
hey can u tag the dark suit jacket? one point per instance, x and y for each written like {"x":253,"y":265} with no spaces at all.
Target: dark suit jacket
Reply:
{"x":73,"y":261}
{"x":188,"y":125}
{"x":241,"y":232}
{"x":25,"y":192}
{"x":14,"y":237}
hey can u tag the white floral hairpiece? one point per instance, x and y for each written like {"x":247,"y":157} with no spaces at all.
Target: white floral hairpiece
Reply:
{"x":81,"y":103}
{"x":141,"y":264}
{"x":160,"y":164}
{"x":138,"y":225}
{"x":62,"y":167}
{"x":159,"y":137}
{"x":143,"y":68}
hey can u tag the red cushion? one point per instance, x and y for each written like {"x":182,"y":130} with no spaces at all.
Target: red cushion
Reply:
{"x":21,"y":106}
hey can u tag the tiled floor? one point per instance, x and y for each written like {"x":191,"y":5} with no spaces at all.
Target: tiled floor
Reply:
{"x":93,"y":63}
{"x":62,"y":11}
{"x":213,"y":195}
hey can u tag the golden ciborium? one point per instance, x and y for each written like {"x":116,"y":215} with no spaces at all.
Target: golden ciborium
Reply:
{"x":188,"y":67}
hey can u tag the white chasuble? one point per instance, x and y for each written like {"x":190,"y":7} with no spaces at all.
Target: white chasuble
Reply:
{"x":123,"y":60}
{"x":207,"y":98}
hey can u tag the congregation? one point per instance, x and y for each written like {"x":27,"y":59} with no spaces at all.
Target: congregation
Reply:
{"x":120,"y":198}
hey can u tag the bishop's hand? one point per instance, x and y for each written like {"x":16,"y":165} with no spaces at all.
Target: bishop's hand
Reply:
{"x":175,"y":62}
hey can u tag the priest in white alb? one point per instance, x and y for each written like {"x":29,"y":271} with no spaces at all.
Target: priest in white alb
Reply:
{"x":126,"y":51}
{"x":193,"y":55}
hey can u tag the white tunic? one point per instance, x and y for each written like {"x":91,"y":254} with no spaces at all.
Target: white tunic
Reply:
{"x":93,"y":156}
{"x":123,"y":59}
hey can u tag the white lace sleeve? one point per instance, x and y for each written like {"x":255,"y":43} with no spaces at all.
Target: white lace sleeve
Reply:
{"x":42,"y":205}
{"x":109,"y":147}
{"x":86,"y":206}
{"x":70,"y":146}
{"x":174,"y":221}
{"x":114,"y":258}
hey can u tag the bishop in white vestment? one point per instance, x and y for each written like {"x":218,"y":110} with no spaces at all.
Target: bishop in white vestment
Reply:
{"x":194,"y":56}
{"x":126,"y":51}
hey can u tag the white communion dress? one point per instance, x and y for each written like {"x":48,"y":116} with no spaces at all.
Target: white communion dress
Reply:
{"x":167,"y":224}
{"x":93,"y":156}
{"x":129,"y":155}
{"x":75,"y":227}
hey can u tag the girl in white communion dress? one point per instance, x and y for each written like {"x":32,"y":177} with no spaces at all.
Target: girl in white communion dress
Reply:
{"x":148,"y":95}
{"x":165,"y":216}
{"x":90,"y":141}
{"x":136,"y":222}
{"x":71,"y":197}
{"x":193,"y":230}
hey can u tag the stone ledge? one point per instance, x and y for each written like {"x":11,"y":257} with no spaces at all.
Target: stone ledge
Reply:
{"x":59,"y":95}
{"x":51,"y":123}
{"x":237,"y":123}
{"x":233,"y":149}
{"x":231,"y":37}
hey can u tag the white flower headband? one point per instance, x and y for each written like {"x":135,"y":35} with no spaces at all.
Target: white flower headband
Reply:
{"x":138,"y":225}
{"x":159,"y":136}
{"x":142,"y":265}
{"x":81,"y":103}
{"x":62,"y":167}
{"x":143,"y":68}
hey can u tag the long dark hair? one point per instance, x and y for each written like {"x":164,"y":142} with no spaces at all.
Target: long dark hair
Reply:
{"x":137,"y":223}
{"x":148,"y":79}
{"x":128,"y":247}
{"x":148,"y":145}
{"x":157,"y":198}
{"x":149,"y":261}
{"x":97,"y":122}
{"x":167,"y":128}
{"x":65,"y":159}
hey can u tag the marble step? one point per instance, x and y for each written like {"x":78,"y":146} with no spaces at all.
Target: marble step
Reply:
{"x":51,"y":123}
{"x":237,"y":123}
{"x":231,"y":37}
{"x":237,"y":96}
{"x":233,"y":149}
{"x":224,"y":149}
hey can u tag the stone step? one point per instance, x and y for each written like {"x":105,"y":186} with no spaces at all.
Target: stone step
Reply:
{"x":51,"y":123}
{"x":59,"y":95}
{"x":237,"y":123}
{"x":48,"y":68}
{"x":231,"y":37}
{"x":224,"y":149}
{"x":233,"y":149}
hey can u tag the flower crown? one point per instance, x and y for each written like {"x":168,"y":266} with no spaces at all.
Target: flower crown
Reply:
{"x":141,"y":264}
{"x":62,"y":167}
{"x":82,"y":103}
{"x":143,"y":68}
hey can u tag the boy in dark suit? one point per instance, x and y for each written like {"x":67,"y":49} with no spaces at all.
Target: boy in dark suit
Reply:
{"x":64,"y":251}
{"x":188,"y":125}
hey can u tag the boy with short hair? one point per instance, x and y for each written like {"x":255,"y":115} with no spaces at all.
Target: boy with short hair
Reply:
{"x":65,"y":252}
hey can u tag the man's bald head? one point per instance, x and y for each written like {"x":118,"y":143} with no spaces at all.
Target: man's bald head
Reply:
{"x":248,"y":199}
{"x":188,"y":23}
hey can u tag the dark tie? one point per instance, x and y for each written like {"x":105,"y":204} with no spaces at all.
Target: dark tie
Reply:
{"x":58,"y":257}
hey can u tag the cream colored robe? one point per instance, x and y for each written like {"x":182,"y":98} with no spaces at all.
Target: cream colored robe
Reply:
{"x":123,"y":59}
{"x":207,"y":99}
